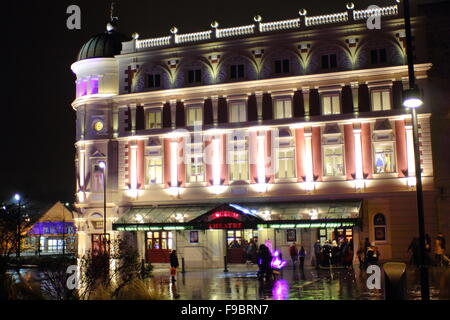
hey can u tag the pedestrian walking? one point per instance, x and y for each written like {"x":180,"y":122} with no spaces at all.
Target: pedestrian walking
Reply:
{"x":173,"y":265}
{"x":302,"y":256}
{"x":347,"y":254}
{"x":317,"y":249}
{"x":372,"y":255}
{"x":293,"y":252}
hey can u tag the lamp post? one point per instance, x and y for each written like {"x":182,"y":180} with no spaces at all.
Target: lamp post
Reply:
{"x":102,"y":166}
{"x":412,"y":100}
{"x":18,"y":199}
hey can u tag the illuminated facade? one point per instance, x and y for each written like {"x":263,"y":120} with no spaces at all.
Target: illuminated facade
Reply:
{"x":285,"y":131}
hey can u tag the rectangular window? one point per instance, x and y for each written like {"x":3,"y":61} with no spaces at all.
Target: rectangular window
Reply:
{"x":154,"y":81}
{"x":153,"y":119}
{"x":83,"y":87}
{"x":94,"y":86}
{"x":384,"y":158}
{"x":381,"y":100}
{"x":283,"y":109}
{"x":195,"y":76}
{"x":238,"y":112}
{"x":329,"y":61}
{"x":237,"y":71}
{"x":378,"y":56}
{"x":154,"y":170}
{"x":333,"y":161}
{"x":194,"y":116}
{"x":331,"y":104}
{"x":97,"y":178}
{"x":282,"y":66}
{"x":285,"y":163}
{"x":195,"y":169}
{"x":238,"y":159}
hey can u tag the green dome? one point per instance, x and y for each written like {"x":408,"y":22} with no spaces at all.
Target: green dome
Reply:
{"x":104,"y":45}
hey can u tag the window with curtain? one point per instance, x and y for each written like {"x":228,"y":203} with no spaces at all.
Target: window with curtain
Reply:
{"x":154,"y":119}
{"x":194,"y":116}
{"x":285,"y":156}
{"x":283,"y":108}
{"x":238,"y":111}
{"x":331,"y":104}
{"x":195,"y":169}
{"x":381,"y":99}
{"x":154,"y":170}
{"x":238,"y":158}
{"x":333,"y":160}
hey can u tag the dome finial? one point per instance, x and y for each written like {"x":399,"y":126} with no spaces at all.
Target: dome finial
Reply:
{"x":112,"y":24}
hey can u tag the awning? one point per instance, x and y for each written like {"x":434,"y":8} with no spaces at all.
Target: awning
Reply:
{"x":242,"y":216}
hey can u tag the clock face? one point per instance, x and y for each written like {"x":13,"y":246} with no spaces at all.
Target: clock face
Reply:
{"x":98,"y":126}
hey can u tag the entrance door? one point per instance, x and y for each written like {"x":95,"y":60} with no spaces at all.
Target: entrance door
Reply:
{"x":236,"y":244}
{"x":99,"y":245}
{"x":159,"y":245}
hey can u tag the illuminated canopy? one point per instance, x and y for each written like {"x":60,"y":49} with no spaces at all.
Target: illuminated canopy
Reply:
{"x":280,"y":215}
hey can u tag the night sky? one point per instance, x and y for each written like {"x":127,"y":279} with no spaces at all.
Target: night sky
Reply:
{"x":38,"y":123}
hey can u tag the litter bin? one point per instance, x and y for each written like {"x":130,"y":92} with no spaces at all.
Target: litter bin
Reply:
{"x":394,"y":281}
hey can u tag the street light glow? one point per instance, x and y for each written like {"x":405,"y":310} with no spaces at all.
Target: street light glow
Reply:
{"x":102,"y":164}
{"x":412,"y":99}
{"x":17,"y":197}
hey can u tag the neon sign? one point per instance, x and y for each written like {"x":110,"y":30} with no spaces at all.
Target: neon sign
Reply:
{"x":224,"y":214}
{"x":229,"y":225}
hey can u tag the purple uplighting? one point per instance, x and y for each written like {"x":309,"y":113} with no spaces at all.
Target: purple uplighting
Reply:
{"x":277,"y":262}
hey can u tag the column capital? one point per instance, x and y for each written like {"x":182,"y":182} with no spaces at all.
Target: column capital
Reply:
{"x":306,"y":89}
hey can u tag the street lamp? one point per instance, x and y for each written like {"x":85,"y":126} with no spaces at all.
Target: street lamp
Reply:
{"x":412,"y":100}
{"x":17,"y":198}
{"x":102,"y":165}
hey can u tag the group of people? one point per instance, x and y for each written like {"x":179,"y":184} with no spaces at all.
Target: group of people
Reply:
{"x":297,"y":255}
{"x":334,"y":253}
{"x":250,"y":249}
{"x":440,"y":257}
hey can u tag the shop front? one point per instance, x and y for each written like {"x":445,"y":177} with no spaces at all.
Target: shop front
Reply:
{"x":204,"y":234}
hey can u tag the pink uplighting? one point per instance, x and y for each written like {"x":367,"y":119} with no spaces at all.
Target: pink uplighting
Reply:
{"x":277,"y":262}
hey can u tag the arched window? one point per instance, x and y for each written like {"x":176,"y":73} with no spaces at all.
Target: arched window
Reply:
{"x":380,"y":228}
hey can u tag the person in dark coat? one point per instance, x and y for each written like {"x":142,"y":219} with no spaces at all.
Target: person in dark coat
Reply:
{"x":302,"y":256}
{"x":173,"y":265}
{"x":264,"y":261}
{"x":414,"y":249}
{"x":317,"y":249}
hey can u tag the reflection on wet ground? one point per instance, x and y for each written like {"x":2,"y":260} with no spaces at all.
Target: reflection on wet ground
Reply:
{"x":241,"y":283}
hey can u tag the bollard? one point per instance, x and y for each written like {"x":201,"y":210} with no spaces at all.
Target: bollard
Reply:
{"x":183,"y":270}
{"x":225,"y":263}
{"x":395,"y":281}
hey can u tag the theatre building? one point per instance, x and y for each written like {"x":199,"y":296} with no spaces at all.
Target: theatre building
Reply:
{"x":285,"y":131}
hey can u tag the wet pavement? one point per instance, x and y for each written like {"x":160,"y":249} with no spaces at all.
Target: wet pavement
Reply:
{"x":241,"y":283}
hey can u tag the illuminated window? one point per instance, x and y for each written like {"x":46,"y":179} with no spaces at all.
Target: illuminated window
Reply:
{"x":329,"y":61}
{"x":195,"y":76}
{"x":94,"y":85}
{"x":238,"y":158}
{"x":333,"y":160}
{"x":238,"y":112}
{"x":55,"y":245}
{"x":97,"y":178}
{"x":282,"y":66}
{"x":153,"y":119}
{"x":153,"y":81}
{"x":159,"y":240}
{"x":237,"y":71}
{"x":381,"y":99}
{"x":384,"y":157}
{"x":194,"y":116}
{"x":195,"y":169}
{"x":285,"y":156}
{"x":283,"y":108}
{"x":331,"y":104}
{"x":154,"y":159}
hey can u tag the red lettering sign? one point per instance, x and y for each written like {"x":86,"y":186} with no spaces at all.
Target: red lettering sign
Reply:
{"x":229,"y":225}
{"x":224,"y":214}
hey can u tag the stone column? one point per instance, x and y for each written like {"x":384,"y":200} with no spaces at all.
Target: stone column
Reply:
{"x":259,"y":104}
{"x":305,"y":91}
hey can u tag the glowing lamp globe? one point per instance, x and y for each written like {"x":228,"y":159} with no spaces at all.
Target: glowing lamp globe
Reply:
{"x":17,"y":197}
{"x":102,"y":165}
{"x":412,"y":98}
